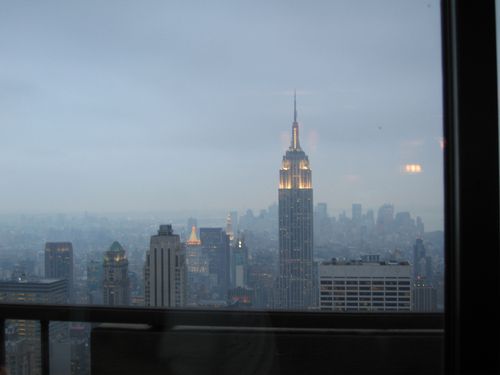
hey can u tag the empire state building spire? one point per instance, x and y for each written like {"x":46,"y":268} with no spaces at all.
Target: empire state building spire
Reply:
{"x":295,"y":145}
{"x":295,"y":106}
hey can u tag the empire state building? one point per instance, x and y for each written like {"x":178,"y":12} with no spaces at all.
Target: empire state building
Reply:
{"x":295,"y":196}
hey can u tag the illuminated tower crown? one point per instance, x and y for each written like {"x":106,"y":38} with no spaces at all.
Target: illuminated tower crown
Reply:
{"x":295,"y":172}
{"x":193,"y":238}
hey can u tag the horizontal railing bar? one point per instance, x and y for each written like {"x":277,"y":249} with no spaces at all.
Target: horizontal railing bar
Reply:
{"x":162,"y":317}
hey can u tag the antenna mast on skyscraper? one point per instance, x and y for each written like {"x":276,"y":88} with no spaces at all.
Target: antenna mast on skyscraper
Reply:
{"x":295,"y":105}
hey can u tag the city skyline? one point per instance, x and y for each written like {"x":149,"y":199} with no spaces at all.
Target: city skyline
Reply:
{"x":105,"y":107}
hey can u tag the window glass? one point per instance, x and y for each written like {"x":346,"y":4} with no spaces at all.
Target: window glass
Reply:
{"x":263,"y":155}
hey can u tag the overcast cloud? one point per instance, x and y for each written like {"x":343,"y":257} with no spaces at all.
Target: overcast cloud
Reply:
{"x":164,"y":105}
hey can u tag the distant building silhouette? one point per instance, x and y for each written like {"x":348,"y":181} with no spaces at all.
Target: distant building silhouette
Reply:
{"x":95,"y":273}
{"x":357,"y":213}
{"x":385,"y":219}
{"x":422,"y":263}
{"x":215,"y":243}
{"x":234,"y":221}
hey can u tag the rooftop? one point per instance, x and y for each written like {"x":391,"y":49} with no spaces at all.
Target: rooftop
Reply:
{"x":359,"y":262}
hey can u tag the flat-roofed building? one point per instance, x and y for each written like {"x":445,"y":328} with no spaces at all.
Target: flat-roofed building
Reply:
{"x":59,"y":263}
{"x":365,"y":285}
{"x":424,"y":296}
{"x":165,"y":270}
{"x":40,"y":291}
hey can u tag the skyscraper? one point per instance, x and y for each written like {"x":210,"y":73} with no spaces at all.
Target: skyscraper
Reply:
{"x":197,"y":269}
{"x":239,"y":262}
{"x":357,"y":212}
{"x":94,"y":282}
{"x":41,"y":291}
{"x":59,"y":263}
{"x":27,"y":332}
{"x":165,"y":270}
{"x":116,"y":284}
{"x":295,"y":197}
{"x":385,"y":219}
{"x":229,"y":227}
{"x":234,"y":221}
{"x":424,"y":296}
{"x":422,"y":263}
{"x":215,"y":243}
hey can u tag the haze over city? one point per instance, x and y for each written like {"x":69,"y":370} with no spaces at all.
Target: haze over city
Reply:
{"x":128,"y":107}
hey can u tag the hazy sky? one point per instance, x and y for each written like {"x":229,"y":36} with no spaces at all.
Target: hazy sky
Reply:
{"x":165,"y":105}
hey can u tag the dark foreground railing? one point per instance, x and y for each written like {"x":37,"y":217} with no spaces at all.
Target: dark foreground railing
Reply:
{"x":166,"y":319}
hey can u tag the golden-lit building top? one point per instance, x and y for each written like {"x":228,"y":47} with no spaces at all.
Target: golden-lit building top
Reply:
{"x":295,"y":172}
{"x":115,"y":254}
{"x":193,"y":238}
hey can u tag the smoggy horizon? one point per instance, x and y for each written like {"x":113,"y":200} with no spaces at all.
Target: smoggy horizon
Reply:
{"x":120,"y":107}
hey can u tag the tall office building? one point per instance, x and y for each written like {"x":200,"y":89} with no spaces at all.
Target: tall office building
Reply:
{"x":357,"y":213}
{"x":116,"y":284}
{"x":215,"y":243}
{"x":229,"y":227}
{"x":420,"y":226}
{"x":234,"y":221}
{"x":25,"y":355}
{"x":424,"y":297}
{"x":40,"y":291}
{"x":40,"y":264}
{"x":239,"y":263}
{"x":196,"y":262}
{"x":37,"y":291}
{"x":22,"y":356}
{"x":365,"y":285}
{"x":295,"y":200}
{"x":165,"y":273}
{"x":422,"y":263}
{"x":197,"y":270}
{"x":385,"y":219}
{"x":94,"y":282}
{"x":59,"y":263}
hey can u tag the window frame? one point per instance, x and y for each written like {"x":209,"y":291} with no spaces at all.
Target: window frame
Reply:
{"x":470,"y":97}
{"x":471,"y":195}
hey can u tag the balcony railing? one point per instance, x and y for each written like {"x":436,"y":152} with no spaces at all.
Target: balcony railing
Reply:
{"x":166,"y":319}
